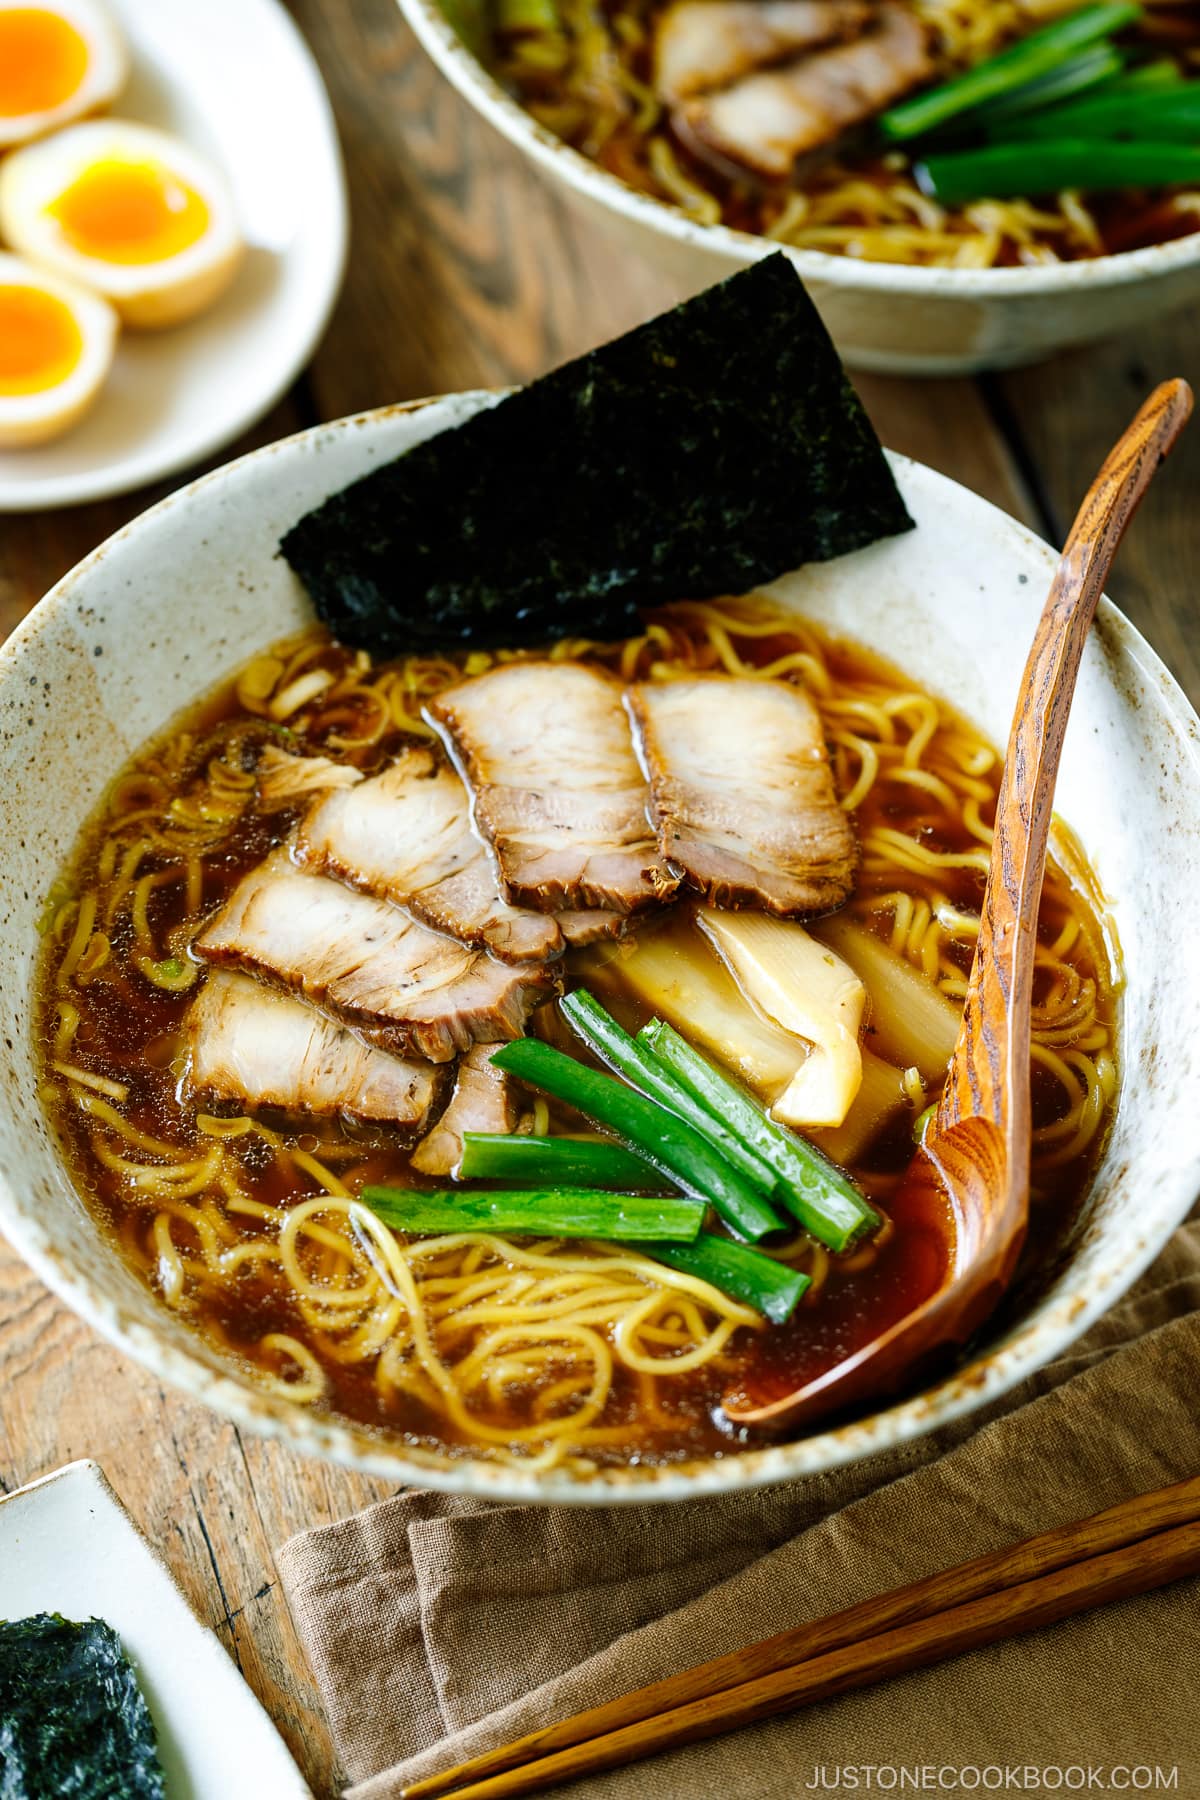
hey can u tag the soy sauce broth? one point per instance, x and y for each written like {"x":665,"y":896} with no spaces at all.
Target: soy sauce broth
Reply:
{"x":129,"y":1031}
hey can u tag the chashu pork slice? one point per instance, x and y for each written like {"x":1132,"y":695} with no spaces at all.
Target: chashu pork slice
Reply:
{"x":370,"y":964}
{"x":405,"y":835}
{"x":482,"y":1101}
{"x":742,"y":792}
{"x":580,"y":928}
{"x":768,"y":120}
{"x":252,"y":1043}
{"x":700,"y":45}
{"x":546,"y":751}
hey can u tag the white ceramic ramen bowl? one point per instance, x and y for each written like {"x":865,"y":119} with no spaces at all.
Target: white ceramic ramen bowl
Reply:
{"x":175,"y":602}
{"x":884,"y":316}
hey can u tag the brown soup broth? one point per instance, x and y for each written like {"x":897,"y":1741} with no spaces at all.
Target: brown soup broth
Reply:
{"x":103,"y":1018}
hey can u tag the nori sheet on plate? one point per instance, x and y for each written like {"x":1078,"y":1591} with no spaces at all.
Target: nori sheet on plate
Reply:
{"x":708,"y":451}
{"x":73,"y":1722}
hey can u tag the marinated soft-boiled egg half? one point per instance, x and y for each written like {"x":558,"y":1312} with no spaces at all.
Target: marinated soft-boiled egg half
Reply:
{"x":57,"y":63}
{"x":127,"y":211}
{"x":56,"y":348}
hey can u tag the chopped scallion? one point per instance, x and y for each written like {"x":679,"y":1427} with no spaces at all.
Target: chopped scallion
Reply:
{"x":1169,"y":115}
{"x":689,"y":1160}
{"x":1159,"y":74}
{"x":636,"y":1064}
{"x":562,"y":1212}
{"x":770,"y":1287}
{"x":1045,"y":166}
{"x":1090,"y":69}
{"x":923,"y":1121}
{"x":1028,"y":60}
{"x":815,"y":1191}
{"x":173,"y":973}
{"x":555,"y":1162}
{"x":527,"y":15}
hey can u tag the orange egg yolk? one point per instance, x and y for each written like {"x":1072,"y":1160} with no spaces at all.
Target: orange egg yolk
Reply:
{"x":43,"y":59}
{"x":40,"y":340}
{"x":130,"y":212}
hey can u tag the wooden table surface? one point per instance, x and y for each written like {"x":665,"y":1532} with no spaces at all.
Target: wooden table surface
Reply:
{"x":466,"y":271}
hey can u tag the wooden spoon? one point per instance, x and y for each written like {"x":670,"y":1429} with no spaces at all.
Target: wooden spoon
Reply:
{"x":975,"y":1154}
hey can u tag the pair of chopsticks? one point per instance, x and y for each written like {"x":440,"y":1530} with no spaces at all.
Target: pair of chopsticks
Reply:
{"x":1142,"y":1544}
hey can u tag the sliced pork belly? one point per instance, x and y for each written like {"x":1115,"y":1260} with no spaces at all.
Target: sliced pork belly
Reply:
{"x":700,"y":45}
{"x":768,"y":120}
{"x":482,"y":1101}
{"x":250,"y":1042}
{"x":556,"y":789}
{"x":370,"y":964}
{"x":742,"y":792}
{"x":580,"y":928}
{"x":405,"y":835}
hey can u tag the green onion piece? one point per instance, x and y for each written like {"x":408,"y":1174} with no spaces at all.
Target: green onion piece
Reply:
{"x":527,"y":15}
{"x":923,"y":1121}
{"x":1028,"y":60}
{"x":1154,"y":116}
{"x":173,"y":973}
{"x":1044,"y":166}
{"x":1142,"y":77}
{"x":639,"y":1066}
{"x":771,"y":1288}
{"x":825,"y":1201}
{"x":689,"y":1160}
{"x":562,"y":1212}
{"x":556,"y":1162}
{"x":1082,"y":73}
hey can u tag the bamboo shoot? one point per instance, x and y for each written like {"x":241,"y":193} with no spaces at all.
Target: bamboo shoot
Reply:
{"x":806,"y":988}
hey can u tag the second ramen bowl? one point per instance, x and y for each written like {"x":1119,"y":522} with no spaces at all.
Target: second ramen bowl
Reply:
{"x":883,"y":316}
{"x":173,"y":604}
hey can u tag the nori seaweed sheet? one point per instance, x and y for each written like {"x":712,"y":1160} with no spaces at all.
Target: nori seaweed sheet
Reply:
{"x":708,"y":451}
{"x":73,"y":1722}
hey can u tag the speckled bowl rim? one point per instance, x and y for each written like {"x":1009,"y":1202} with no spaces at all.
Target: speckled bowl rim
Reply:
{"x":463,"y":69}
{"x":1026,"y":1347}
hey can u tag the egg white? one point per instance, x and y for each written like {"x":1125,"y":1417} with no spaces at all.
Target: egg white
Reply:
{"x":146,"y":295}
{"x":105,"y":75}
{"x":34,"y":418}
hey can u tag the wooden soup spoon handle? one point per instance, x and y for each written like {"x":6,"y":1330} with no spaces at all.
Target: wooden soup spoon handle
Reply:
{"x":975,"y":1154}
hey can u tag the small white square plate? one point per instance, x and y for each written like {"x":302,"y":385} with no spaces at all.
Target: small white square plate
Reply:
{"x":68,"y":1546}
{"x":235,"y":80}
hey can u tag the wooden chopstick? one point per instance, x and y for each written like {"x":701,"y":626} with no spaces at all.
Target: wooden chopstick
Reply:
{"x":1134,"y":1569}
{"x":1073,"y":1567}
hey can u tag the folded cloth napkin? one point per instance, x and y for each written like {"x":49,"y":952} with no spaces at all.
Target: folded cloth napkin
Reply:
{"x":439,"y":1627}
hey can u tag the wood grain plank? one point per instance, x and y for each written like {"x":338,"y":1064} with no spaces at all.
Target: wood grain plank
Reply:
{"x":949,"y":426}
{"x":466,"y":269}
{"x":1067,"y":412}
{"x":37,"y":549}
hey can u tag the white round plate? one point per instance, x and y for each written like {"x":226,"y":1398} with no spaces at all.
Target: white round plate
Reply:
{"x":235,"y":79}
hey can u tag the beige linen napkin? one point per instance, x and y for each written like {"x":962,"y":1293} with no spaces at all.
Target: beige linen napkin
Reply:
{"x":438,"y":1627}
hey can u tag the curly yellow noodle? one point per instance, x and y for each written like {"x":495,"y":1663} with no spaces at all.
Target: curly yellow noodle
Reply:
{"x":312,"y":1384}
{"x":868,"y":771}
{"x":171,"y":1273}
